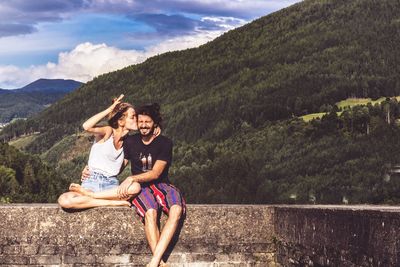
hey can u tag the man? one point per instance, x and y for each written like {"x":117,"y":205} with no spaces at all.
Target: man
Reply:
{"x":150,"y":158}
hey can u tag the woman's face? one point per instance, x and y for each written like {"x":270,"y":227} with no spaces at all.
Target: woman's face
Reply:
{"x":130,"y":120}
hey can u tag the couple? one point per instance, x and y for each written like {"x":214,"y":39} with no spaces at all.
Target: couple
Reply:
{"x":148,"y":188}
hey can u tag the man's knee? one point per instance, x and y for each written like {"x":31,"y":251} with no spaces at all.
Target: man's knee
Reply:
{"x":151,"y":215}
{"x":175,"y":212}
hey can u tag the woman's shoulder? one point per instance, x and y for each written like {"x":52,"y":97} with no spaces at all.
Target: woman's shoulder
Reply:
{"x":105,"y":134}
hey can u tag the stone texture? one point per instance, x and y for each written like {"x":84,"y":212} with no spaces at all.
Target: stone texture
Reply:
{"x":337,"y":235}
{"x":212,"y":236}
{"x":217,"y":235}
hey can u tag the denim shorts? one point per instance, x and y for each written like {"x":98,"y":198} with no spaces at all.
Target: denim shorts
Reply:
{"x":99,"y":182}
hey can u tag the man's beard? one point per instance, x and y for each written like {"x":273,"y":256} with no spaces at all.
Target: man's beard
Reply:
{"x":149,"y":133}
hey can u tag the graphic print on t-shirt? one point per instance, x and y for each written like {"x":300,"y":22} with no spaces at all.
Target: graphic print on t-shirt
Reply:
{"x":147,"y":163}
{"x":144,"y":158}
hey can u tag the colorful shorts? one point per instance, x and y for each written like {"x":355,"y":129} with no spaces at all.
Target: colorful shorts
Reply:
{"x":99,"y":182}
{"x":158,"y":196}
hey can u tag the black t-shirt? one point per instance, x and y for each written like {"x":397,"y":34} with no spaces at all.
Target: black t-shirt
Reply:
{"x":143,"y":157}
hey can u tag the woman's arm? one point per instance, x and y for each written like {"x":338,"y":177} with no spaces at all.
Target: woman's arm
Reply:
{"x":149,"y":176}
{"x":90,"y":124}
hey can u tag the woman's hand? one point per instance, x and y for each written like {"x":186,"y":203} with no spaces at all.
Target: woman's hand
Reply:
{"x":157,"y":131}
{"x":85,"y":173}
{"x":116,"y":101}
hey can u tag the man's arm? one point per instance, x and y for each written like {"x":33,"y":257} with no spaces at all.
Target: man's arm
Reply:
{"x":149,"y":176}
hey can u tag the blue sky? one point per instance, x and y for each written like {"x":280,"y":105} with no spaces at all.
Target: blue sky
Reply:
{"x":81,"y":39}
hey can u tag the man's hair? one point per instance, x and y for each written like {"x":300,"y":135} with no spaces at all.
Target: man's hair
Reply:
{"x":151,"y":110}
{"x":119,"y":112}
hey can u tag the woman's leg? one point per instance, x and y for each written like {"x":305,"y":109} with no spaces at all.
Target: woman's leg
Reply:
{"x":110,"y":194}
{"x":73,"y":200}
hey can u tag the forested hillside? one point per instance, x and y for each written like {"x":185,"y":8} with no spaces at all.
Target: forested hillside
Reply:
{"x":231,"y":108}
{"x":25,"y":178}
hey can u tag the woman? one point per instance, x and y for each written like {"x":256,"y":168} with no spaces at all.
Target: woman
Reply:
{"x":106,"y":160}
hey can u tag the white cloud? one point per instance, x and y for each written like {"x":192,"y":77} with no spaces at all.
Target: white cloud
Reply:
{"x":87,"y":60}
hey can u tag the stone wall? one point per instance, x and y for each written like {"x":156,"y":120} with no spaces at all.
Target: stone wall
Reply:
{"x":337,"y":235}
{"x":44,"y":234}
{"x":213,"y":235}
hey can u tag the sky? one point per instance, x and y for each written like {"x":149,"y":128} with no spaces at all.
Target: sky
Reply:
{"x":81,"y":39}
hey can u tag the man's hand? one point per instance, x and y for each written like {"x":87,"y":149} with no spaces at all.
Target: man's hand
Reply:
{"x":122,"y":190}
{"x":85,"y":173}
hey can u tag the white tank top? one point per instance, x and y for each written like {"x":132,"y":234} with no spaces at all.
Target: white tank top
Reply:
{"x":105,"y":159}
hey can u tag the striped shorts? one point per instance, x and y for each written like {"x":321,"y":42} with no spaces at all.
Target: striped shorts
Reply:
{"x":158,"y":196}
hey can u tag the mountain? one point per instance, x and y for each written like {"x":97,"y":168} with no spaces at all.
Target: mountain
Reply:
{"x":55,"y":85}
{"x":231,"y":107}
{"x":33,"y":98}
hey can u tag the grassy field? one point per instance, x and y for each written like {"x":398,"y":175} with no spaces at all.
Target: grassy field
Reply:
{"x":22,"y":142}
{"x":349,"y":102}
{"x":313,"y":116}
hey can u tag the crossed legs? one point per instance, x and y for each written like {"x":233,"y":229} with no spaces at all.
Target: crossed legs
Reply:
{"x":79,"y":198}
{"x":159,"y":242}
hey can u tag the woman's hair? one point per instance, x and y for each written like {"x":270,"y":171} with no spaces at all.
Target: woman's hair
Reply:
{"x":151,"y":110}
{"x":118,"y":113}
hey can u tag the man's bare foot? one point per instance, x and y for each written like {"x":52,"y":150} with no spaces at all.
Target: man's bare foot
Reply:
{"x":162,"y":264}
{"x":77,"y":188}
{"x":153,"y":263}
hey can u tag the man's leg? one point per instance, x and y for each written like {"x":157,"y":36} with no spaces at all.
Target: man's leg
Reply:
{"x":151,"y":229}
{"x":167,"y":234}
{"x":147,"y":208}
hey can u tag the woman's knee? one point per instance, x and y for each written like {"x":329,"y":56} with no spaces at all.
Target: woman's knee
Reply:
{"x":134,"y":189}
{"x":64,"y":201}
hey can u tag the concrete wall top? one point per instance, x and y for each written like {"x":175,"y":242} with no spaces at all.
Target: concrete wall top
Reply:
{"x":212,"y":235}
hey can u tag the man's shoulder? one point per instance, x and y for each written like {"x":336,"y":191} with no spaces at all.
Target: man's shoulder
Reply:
{"x":164,"y":139}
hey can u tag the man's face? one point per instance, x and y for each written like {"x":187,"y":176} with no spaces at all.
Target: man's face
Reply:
{"x":146,"y":125}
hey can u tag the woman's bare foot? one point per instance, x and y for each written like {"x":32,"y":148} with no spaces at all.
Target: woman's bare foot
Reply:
{"x":120,"y":203}
{"x":77,"y":188}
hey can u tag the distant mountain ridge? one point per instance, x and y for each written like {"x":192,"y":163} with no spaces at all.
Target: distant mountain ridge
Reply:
{"x":58,"y":85}
{"x":33,"y":98}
